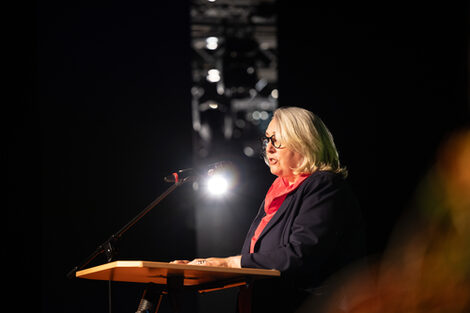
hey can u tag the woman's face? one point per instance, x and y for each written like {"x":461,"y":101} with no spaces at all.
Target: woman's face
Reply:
{"x":281,"y":160}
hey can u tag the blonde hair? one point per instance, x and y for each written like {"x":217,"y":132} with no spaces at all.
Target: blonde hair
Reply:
{"x":305,"y":133}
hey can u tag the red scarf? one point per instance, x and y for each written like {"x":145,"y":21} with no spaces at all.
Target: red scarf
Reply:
{"x":273,"y":200}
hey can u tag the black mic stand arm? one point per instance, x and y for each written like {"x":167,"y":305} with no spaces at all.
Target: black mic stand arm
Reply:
{"x":108,"y":246}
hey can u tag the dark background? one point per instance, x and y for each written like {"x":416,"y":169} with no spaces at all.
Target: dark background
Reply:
{"x":101,"y":112}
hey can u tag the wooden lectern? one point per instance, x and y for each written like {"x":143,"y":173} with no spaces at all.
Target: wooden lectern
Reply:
{"x":172,"y":278}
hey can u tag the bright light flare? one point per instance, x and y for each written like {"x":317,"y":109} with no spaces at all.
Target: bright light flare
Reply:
{"x":213,"y":75}
{"x":212,"y":43}
{"x":217,"y":185}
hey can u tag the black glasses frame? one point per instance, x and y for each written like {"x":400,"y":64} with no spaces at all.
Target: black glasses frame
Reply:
{"x":266,"y":139}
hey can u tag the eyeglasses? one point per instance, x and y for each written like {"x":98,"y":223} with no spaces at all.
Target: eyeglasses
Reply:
{"x":273,"y":140}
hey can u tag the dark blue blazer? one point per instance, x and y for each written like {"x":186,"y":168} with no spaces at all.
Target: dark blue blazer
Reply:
{"x":317,"y":231}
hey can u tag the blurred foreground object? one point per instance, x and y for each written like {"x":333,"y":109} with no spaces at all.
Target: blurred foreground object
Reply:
{"x":426,"y":267}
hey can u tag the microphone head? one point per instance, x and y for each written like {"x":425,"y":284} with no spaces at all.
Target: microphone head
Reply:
{"x":174,"y":177}
{"x":178,"y":176}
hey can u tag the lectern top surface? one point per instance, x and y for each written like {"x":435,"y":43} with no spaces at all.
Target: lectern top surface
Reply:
{"x":158,"y":272}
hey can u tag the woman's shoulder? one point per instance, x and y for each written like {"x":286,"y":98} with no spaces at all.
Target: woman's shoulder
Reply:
{"x":323,"y":178}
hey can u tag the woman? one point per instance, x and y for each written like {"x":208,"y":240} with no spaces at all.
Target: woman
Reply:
{"x":309,"y":225}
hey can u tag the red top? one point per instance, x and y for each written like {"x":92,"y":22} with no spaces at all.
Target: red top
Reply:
{"x":274,"y":198}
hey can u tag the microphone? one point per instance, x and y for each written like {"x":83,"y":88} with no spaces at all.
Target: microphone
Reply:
{"x":197,"y":173}
{"x":178,"y":176}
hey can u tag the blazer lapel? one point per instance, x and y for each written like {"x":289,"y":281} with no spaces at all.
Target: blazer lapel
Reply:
{"x":251,"y":231}
{"x":280,"y":212}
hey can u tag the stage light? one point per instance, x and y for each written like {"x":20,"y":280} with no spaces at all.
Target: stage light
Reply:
{"x":222,"y":181}
{"x":213,"y":75}
{"x":264,"y":115}
{"x":274,"y":93}
{"x":256,"y":115}
{"x":249,"y":151}
{"x":217,"y":185}
{"x":212,"y":43}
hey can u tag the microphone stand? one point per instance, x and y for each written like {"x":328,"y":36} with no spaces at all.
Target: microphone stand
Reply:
{"x":108,"y":247}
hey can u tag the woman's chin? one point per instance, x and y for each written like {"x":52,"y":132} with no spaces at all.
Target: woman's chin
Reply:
{"x":274,"y":170}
